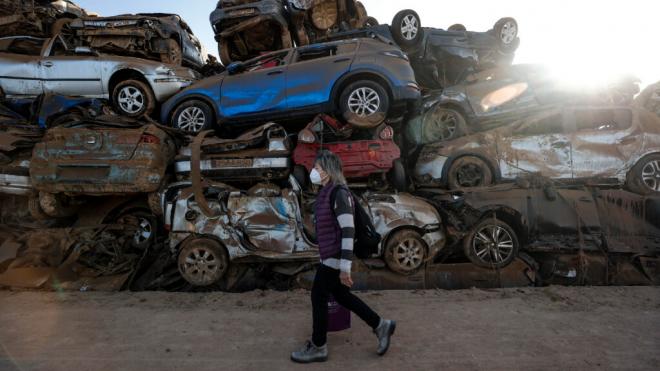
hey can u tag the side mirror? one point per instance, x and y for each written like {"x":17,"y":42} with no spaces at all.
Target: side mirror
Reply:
{"x":85,"y":50}
{"x":235,"y":67}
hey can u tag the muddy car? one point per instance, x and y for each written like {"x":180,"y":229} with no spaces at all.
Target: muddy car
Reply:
{"x":373,"y":160}
{"x":285,"y":85}
{"x":495,"y":223}
{"x":596,"y":144}
{"x":270,"y":224}
{"x":34,"y":66}
{"x":257,"y":155}
{"x":40,"y":18}
{"x":498,"y":96}
{"x":318,"y":20}
{"x":98,"y":158}
{"x":245,"y":29}
{"x":649,"y":99}
{"x":159,"y":36}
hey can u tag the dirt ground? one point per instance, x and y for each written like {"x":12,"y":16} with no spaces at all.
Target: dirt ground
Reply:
{"x":513,"y":329}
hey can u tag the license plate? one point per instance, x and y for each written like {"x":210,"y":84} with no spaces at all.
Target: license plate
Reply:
{"x":242,"y":12}
{"x":232,"y":163}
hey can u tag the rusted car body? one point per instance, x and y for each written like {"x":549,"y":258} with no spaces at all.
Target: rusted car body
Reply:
{"x":164,"y":37}
{"x":319,"y":20}
{"x":93,"y":158}
{"x":598,"y":144}
{"x":35,"y":17}
{"x":649,"y":99}
{"x":246,"y":28}
{"x":268,"y":223}
{"x":259,"y":154}
{"x":540,"y":217}
{"x":34,"y":66}
{"x":498,"y":96}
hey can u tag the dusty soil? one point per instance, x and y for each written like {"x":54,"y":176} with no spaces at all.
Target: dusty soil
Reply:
{"x":512,"y":329}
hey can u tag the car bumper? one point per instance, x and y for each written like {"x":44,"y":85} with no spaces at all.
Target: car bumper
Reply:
{"x":429,"y":172}
{"x":408,"y":92}
{"x":166,"y":86}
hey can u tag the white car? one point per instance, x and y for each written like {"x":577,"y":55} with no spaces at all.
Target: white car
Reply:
{"x":31,"y":66}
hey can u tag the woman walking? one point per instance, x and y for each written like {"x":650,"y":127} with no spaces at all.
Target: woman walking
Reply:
{"x":335,"y":231}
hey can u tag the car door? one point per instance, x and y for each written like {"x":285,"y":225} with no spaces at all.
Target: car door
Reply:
{"x":539,"y":144}
{"x":314,"y":71}
{"x":603,"y":141}
{"x":19,"y":66}
{"x":258,"y":89}
{"x":69,"y":73}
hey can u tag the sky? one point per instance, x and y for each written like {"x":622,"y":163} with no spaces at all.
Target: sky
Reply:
{"x":583,"y":41}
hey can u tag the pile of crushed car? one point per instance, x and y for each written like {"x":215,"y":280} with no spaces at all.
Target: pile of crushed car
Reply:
{"x":129,"y":161}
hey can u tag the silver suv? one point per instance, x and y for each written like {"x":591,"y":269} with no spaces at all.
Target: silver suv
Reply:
{"x":31,"y":66}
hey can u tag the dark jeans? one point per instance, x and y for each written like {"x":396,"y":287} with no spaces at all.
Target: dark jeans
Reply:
{"x":327,"y":282}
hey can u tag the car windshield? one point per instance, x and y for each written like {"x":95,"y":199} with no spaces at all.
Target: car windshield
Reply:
{"x":22,"y":45}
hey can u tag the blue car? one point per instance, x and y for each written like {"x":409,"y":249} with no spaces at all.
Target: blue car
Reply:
{"x":365,"y":80}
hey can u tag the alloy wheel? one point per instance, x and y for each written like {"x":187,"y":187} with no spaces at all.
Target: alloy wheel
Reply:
{"x":493,"y":244}
{"x":409,"y":27}
{"x":364,"y":102}
{"x":508,"y":33}
{"x":651,"y":175}
{"x":192,"y":120}
{"x":441,"y":126}
{"x":409,"y":254}
{"x":202,"y":264}
{"x":131,"y":100}
{"x":144,"y":231}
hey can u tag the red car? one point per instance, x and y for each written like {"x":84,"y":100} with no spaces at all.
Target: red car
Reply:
{"x":373,"y":159}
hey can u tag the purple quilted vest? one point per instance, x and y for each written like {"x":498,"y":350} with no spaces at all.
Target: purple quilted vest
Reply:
{"x":328,"y":232}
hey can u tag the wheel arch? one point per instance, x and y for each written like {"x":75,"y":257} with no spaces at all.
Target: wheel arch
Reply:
{"x":190,"y":97}
{"x":357,"y":75}
{"x":512,"y":217}
{"x":403,"y":227}
{"x":123,"y":74}
{"x":194,"y":236}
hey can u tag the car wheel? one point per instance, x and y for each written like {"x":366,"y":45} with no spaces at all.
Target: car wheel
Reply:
{"x":145,"y":224}
{"x":506,"y":32}
{"x":457,"y":27}
{"x":173,"y":54}
{"x":133,"y":98}
{"x":192,"y":116}
{"x":469,"y":171}
{"x":397,"y":176}
{"x":405,"y":251}
{"x":300,"y":173}
{"x":407,"y":28}
{"x":57,"y":205}
{"x":203,"y":262}
{"x":491,"y":244}
{"x":364,"y":104}
{"x":644,"y":177}
{"x":442,"y":124}
{"x":371,"y":22}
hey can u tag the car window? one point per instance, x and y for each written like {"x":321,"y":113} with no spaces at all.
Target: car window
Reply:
{"x":552,"y":124}
{"x":23,"y":46}
{"x":268,"y":61}
{"x":58,"y":48}
{"x":309,"y":54}
{"x":603,"y":119}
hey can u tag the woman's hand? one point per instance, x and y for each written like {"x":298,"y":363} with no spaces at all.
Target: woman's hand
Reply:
{"x":345,"y":278}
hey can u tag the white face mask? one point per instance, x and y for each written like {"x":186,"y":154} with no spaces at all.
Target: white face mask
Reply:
{"x":315,"y":177}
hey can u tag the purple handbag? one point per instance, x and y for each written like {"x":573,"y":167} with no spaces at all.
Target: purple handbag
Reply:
{"x":339,"y":318}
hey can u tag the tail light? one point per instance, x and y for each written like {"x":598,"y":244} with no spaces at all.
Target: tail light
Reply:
{"x":387,"y":133}
{"x":149,"y":139}
{"x":306,"y":136}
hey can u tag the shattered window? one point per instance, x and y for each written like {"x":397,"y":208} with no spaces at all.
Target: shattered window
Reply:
{"x":269,"y":61}
{"x":23,"y":46}
{"x":58,"y":48}
{"x":547,"y":125}
{"x":603,"y":119}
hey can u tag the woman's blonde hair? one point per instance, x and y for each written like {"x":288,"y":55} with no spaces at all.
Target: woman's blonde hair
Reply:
{"x":331,"y":164}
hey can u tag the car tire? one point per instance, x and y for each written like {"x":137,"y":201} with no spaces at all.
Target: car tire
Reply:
{"x":301,"y":175}
{"x":173,"y":55}
{"x":146,"y":224}
{"x":407,"y":28}
{"x":397,"y":176}
{"x":506,"y":33}
{"x":192,"y":116}
{"x":457,"y":27}
{"x":405,"y":252}
{"x":491,"y":244}
{"x":133,"y":98}
{"x":468,"y":172}
{"x":442,"y":124}
{"x":203,"y":262}
{"x":57,"y":205}
{"x":371,"y":22}
{"x":364,"y":104}
{"x":644,"y":177}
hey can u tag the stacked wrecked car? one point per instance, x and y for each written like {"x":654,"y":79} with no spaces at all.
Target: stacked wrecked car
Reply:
{"x":143,"y":174}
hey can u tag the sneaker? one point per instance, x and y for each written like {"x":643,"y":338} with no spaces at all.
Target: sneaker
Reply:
{"x":310,"y":353}
{"x":384,"y":331}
